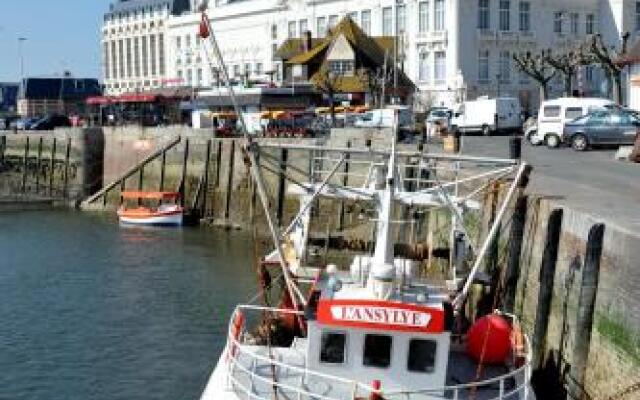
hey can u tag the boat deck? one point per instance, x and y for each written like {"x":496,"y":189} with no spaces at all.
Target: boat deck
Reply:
{"x":254,"y":375}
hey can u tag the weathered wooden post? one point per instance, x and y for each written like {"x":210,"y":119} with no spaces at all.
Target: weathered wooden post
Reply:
{"x":545,"y":293}
{"x":284,"y":155}
{"x":218,"y":162}
{"x":25,"y":165}
{"x":39,"y":164}
{"x":183,"y":177}
{"x":586,"y":309}
{"x":3,"y":148}
{"x":345,"y":181}
{"x":67,"y":158}
{"x":163,"y":167}
{"x":52,"y":165}
{"x":512,"y":273}
{"x":207,"y":160}
{"x":123,"y":188}
{"x":227,"y":203}
{"x":140,"y":182}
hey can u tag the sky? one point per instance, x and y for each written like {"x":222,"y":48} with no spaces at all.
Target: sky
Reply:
{"x":62,"y":35}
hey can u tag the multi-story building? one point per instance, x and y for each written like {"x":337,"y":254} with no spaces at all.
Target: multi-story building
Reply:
{"x":66,"y":95}
{"x":133,"y":44}
{"x":451,"y":49}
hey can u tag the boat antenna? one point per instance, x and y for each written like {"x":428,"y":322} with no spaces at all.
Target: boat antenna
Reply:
{"x":251,"y":149}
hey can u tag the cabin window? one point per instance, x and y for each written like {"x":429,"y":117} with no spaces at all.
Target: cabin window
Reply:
{"x":422,"y":356}
{"x":551,"y":111}
{"x":573,"y":112}
{"x":332,"y":347}
{"x":377,"y":351}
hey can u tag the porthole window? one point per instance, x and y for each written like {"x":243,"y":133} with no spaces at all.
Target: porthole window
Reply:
{"x":332,"y":347}
{"x":422,"y":356}
{"x":377,"y":351}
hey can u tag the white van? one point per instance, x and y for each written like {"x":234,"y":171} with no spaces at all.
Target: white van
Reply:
{"x":554,"y":114}
{"x":487,"y":115}
{"x":383,"y":117}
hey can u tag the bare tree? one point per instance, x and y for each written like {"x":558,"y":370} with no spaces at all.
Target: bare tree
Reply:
{"x":373,"y":81}
{"x":613,"y":61}
{"x":567,"y":64}
{"x":538,"y":68}
{"x":329,"y":84}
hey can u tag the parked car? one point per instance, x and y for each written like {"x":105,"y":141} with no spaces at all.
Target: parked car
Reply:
{"x":51,"y":122}
{"x":554,"y":114}
{"x":383,"y":118}
{"x":613,"y":127}
{"x":487,"y":116}
{"x":5,"y":122}
{"x":24,"y":124}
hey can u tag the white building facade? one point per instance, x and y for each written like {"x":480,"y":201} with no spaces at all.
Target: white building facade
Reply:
{"x":134,"y":51}
{"x":451,"y":49}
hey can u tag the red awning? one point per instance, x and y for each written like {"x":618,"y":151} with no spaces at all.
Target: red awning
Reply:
{"x":136,"y":98}
{"x":99,"y":100}
{"x":150,"y":195}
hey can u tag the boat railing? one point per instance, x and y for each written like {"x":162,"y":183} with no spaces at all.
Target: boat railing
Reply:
{"x":236,"y":350}
{"x":510,"y":386}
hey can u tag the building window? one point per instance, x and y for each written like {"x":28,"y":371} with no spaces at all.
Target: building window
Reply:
{"x":178,"y":43}
{"x":423,"y":67}
{"x":105,"y":57}
{"x":333,"y":21}
{"x":274,"y":32}
{"x":588,"y":72}
{"x":304,"y":27}
{"x":401,"y":19}
{"x":377,"y":351}
{"x":342,"y":67}
{"x":353,"y":15}
{"x":190,"y":77}
{"x":590,"y":22}
{"x":525,"y":16}
{"x":575,"y":19}
{"x":136,"y":57}
{"x":161,"y":63}
{"x":439,"y":15}
{"x":505,"y":67}
{"x":423,"y":17}
{"x":199,"y":77}
{"x":152,"y":54}
{"x":483,"y":66}
{"x":332,"y":347}
{"x":387,"y":21}
{"x":505,"y":11}
{"x":637,"y":16}
{"x":114,"y":64}
{"x":292,"y":30}
{"x":557,"y":22}
{"x":247,"y":69}
{"x":258,"y":70}
{"x":439,"y":67}
{"x":236,"y":71}
{"x":187,"y":41}
{"x":121,"y":59}
{"x":422,"y":356}
{"x":484,"y":15}
{"x":365,"y":21}
{"x":145,"y":56}
{"x":321,"y":26}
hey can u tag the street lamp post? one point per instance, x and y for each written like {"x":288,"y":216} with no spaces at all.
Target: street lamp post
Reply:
{"x":21,"y":41}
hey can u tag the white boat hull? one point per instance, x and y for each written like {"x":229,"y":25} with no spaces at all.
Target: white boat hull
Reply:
{"x":218,"y":387}
{"x":160,"y":220}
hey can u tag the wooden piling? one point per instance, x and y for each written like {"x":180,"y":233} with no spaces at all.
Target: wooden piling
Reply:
{"x":207,"y":160}
{"x":39,"y":164}
{"x":512,"y":273}
{"x":545,"y":293}
{"x":25,"y":165}
{"x":586,"y":308}
{"x":67,"y":158}
{"x":3,"y":148}
{"x":52,"y":165}
{"x":123,"y":188}
{"x":183,"y":178}
{"x":140,"y":182}
{"x":227,"y":203}
{"x":218,"y":162}
{"x":345,"y":182}
{"x":163,"y":167}
{"x":284,"y":155}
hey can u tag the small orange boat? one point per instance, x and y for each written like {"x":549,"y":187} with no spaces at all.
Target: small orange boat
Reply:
{"x":168,"y":213}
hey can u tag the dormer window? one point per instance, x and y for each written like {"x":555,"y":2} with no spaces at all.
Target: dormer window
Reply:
{"x":342,"y":67}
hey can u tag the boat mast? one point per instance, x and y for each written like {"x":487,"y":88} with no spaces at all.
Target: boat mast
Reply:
{"x":251,"y":148}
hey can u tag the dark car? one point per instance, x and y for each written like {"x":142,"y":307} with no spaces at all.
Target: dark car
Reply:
{"x":611,"y":127}
{"x":51,"y":122}
{"x":5,"y":122}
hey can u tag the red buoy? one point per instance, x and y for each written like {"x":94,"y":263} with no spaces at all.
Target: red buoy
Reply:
{"x":489,"y":340}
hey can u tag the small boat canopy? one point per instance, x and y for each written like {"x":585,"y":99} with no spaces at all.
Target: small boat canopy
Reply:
{"x":151,"y":195}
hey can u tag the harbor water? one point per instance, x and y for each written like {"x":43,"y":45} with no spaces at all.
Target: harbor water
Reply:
{"x":91,"y":310}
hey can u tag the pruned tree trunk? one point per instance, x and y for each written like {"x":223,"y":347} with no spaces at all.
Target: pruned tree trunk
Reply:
{"x":568,"y":85}
{"x":543,"y":91}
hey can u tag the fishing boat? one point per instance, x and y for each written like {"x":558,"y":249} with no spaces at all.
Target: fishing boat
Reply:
{"x":166,"y":212}
{"x":374,"y":327}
